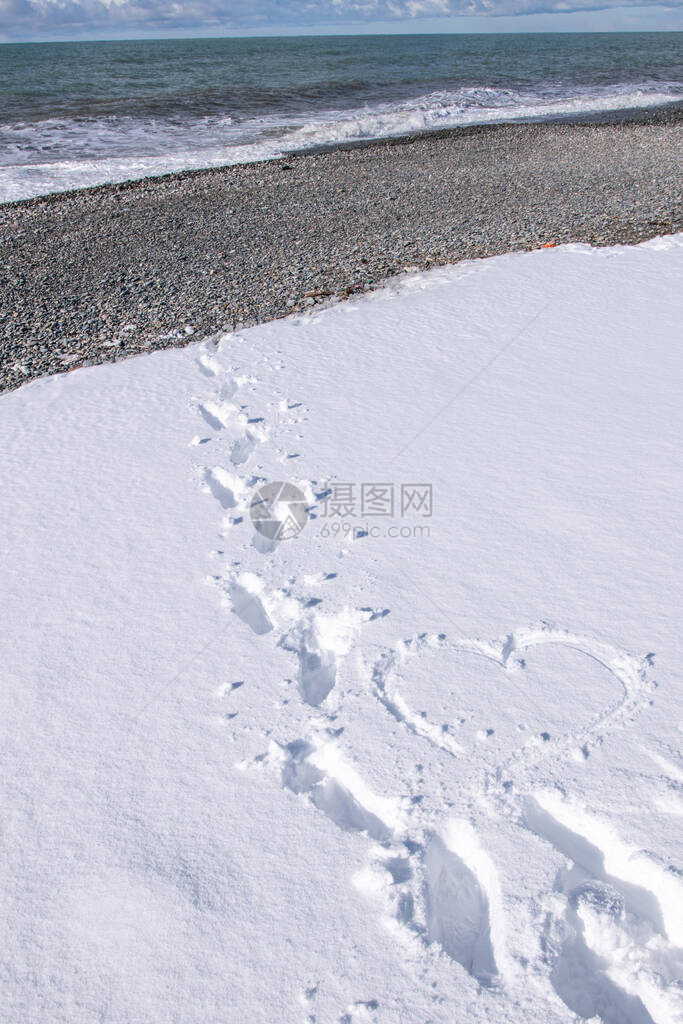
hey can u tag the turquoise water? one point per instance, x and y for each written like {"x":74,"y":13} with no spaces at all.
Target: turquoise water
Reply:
{"x":78,"y":113}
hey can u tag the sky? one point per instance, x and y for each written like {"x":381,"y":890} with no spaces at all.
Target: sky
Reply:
{"x":25,"y":20}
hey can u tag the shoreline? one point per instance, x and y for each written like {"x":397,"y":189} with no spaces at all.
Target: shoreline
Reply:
{"x":628,"y":115}
{"x":636,"y":115}
{"x":109,"y":271}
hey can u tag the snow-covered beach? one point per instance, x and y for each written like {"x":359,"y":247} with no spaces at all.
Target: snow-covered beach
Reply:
{"x":419,"y":762}
{"x":98,"y":274}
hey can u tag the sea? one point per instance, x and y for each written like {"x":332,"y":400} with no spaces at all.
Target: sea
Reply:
{"x":86,"y":113}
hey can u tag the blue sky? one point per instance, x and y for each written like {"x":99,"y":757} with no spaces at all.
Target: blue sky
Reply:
{"x":98,"y":19}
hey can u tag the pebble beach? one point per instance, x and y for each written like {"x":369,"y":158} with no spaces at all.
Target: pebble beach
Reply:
{"x":104,"y":273}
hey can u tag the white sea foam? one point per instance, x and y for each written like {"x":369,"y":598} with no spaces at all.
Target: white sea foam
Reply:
{"x":56,"y":155}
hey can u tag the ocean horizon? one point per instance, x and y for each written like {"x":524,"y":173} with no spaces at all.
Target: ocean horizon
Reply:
{"x":75,"y":114}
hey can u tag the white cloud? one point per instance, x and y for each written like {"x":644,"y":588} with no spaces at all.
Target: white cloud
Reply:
{"x":44,"y":18}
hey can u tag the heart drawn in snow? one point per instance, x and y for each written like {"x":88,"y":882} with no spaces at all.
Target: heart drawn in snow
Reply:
{"x":571,"y":691}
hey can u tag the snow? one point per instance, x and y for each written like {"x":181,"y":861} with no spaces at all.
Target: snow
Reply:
{"x":409,"y":768}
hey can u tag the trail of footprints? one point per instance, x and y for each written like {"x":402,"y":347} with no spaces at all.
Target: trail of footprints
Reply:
{"x":612,"y":932}
{"x":235,"y":436}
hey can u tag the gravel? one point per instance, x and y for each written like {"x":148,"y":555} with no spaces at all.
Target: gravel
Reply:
{"x":103,"y":273}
